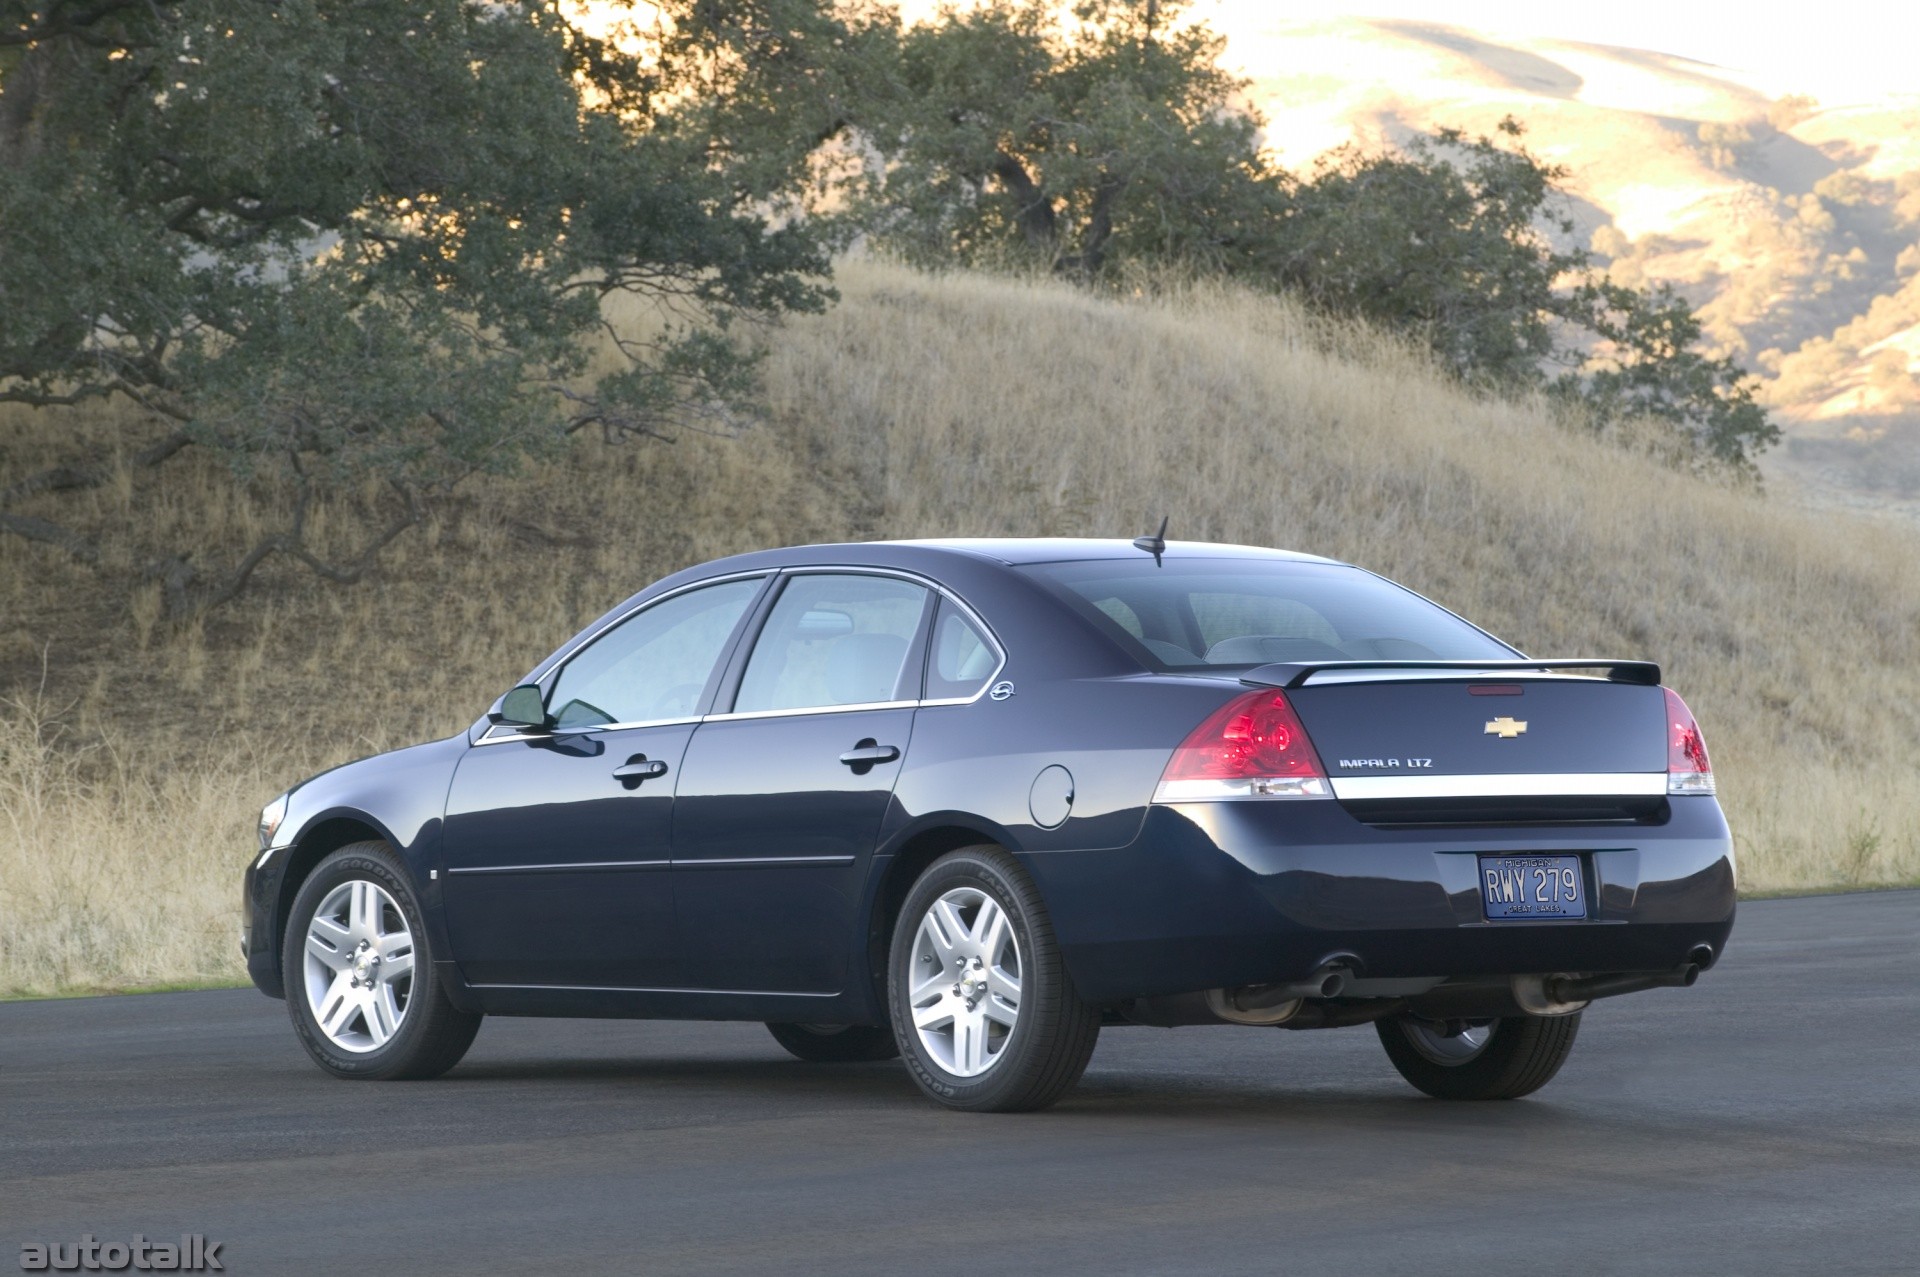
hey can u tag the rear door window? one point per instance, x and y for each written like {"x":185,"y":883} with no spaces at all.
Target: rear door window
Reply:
{"x":834,"y":639}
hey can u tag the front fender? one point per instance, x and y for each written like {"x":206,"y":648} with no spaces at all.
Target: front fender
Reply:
{"x":399,"y":798}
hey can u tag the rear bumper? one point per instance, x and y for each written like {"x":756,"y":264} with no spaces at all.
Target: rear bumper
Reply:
{"x":1231,"y":893}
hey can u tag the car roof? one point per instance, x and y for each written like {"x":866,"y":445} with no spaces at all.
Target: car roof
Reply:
{"x":1024,"y":550}
{"x":928,"y":555}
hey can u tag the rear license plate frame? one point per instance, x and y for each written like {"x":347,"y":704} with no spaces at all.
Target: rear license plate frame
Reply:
{"x":1533,"y":887}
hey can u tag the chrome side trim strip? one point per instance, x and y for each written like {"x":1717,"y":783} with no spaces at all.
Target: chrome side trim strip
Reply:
{"x":716,"y":862}
{"x":574,"y":866}
{"x":739,"y":861}
{"x":1516,"y":785}
{"x":615,"y":988}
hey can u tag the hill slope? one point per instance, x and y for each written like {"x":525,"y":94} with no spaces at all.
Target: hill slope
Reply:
{"x":1794,"y":226}
{"x":952,"y":406}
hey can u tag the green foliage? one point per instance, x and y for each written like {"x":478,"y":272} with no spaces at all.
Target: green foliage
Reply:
{"x":335,"y":239}
{"x":1454,"y":239}
{"x":1648,"y":365}
{"x":1007,"y":132}
{"x":1444,"y":238}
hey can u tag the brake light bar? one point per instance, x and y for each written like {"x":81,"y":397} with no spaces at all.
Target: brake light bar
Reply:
{"x":1291,"y":674}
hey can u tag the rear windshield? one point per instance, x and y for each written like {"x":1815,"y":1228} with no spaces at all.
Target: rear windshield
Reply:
{"x":1198,"y":613}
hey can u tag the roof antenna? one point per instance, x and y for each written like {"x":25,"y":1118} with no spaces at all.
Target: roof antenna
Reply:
{"x":1156,"y":545}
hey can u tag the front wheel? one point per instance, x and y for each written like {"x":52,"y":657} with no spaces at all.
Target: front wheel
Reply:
{"x":1479,"y":1059}
{"x":360,"y":981}
{"x":985,"y":1014}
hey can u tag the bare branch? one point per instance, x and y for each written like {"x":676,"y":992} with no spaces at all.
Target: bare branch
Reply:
{"x":292,"y":544}
{"x":51,"y":534}
{"x":71,"y":478}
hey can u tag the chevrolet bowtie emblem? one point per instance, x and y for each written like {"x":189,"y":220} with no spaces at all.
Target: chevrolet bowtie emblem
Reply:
{"x":1506,"y":728}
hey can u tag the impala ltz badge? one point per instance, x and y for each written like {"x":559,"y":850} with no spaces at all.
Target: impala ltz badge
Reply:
{"x":1506,"y":728}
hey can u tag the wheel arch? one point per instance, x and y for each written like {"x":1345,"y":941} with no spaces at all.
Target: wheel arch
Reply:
{"x":318,"y":840}
{"x":900,"y":866}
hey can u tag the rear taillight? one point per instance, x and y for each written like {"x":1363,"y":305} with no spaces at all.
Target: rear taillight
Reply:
{"x":1688,"y":771}
{"x":1251,"y":747}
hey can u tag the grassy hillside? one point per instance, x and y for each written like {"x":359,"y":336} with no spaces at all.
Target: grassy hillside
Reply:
{"x":1790,"y":223}
{"x":131,"y":770}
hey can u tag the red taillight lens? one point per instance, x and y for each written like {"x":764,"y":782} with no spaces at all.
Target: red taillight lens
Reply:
{"x":1688,"y":771}
{"x":1251,"y":747}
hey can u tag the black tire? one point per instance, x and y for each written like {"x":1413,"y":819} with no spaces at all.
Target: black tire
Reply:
{"x":1520,"y":1056}
{"x":836,"y":1043}
{"x":431,"y":1035}
{"x":1054,"y":1033}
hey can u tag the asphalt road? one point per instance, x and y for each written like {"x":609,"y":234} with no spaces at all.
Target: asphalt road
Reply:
{"x":1767,"y":1120}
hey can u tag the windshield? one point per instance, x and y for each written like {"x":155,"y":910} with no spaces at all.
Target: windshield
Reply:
{"x":1200,"y":613}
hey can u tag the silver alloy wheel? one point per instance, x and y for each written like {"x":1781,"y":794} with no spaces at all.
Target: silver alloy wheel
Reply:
{"x":1462,"y":1048}
{"x":964,"y":981}
{"x":359,"y":966}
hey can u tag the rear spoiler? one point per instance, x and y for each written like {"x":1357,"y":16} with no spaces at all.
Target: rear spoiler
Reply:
{"x":1296,"y":673}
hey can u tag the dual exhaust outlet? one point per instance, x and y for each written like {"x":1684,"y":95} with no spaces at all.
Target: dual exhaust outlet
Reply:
{"x":1545,"y":995}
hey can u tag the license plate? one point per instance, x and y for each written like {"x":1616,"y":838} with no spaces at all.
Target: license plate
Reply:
{"x":1533,"y":887}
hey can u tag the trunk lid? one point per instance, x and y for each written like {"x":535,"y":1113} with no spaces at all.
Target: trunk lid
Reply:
{"x":1407,"y":748}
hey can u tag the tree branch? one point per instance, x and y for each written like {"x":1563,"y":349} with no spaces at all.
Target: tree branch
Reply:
{"x":1035,"y":212}
{"x":51,"y":534}
{"x":71,"y":478}
{"x":72,"y":19}
{"x":292,"y":544}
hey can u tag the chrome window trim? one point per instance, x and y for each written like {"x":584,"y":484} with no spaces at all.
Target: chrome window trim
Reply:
{"x":980,"y":622}
{"x":1514,"y":785}
{"x":561,"y":868}
{"x":582,"y":642}
{"x":567,"y":654}
{"x":808,"y":709}
{"x":491,"y":739}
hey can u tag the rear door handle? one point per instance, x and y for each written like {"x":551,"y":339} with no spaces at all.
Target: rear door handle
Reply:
{"x":639,"y":768}
{"x":865,"y":756}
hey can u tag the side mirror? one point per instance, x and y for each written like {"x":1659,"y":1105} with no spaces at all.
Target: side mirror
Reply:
{"x":524,"y":706}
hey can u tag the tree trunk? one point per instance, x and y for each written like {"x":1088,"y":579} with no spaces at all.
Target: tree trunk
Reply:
{"x":1035,"y":216}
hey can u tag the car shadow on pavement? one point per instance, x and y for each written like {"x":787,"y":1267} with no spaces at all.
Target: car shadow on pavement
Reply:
{"x":1110,"y":1094}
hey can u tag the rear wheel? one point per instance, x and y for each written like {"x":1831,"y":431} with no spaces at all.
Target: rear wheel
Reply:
{"x":1479,"y":1059}
{"x":985,"y":1014}
{"x":360,"y":982}
{"x":836,"y":1043}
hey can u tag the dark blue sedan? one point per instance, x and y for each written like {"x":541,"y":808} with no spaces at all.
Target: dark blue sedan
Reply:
{"x":969,"y":802}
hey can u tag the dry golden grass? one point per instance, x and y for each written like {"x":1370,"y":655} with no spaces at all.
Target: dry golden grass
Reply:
{"x":960,"y":405}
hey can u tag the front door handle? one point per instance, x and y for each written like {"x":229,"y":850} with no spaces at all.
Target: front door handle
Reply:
{"x":637,"y":769}
{"x":868,"y":754}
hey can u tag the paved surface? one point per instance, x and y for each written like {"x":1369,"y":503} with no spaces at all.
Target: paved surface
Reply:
{"x":1767,"y":1120}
